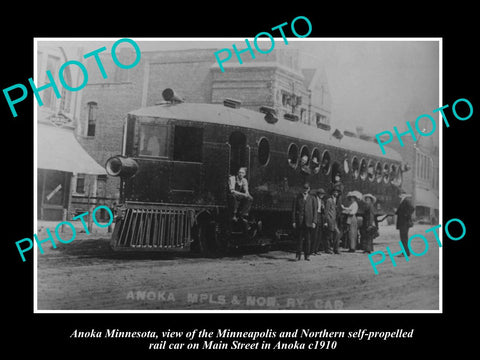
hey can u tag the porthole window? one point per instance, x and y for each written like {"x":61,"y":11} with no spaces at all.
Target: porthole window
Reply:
{"x":336,"y":171}
{"x":293,"y":155}
{"x":346,"y":167}
{"x":305,"y":160}
{"x":396,"y":175}
{"x":325,"y":162}
{"x":393,"y":171}
{"x":370,"y":171}
{"x":315,"y":161}
{"x":304,"y":155}
{"x":378,"y":172}
{"x":386,"y":171}
{"x":263,"y":151}
{"x":363,"y":169}
{"x":355,"y":167}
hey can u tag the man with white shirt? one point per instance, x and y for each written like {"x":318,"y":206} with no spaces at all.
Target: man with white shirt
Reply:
{"x":240,"y":198}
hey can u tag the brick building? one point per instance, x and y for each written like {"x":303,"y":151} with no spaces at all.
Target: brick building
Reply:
{"x":59,"y":155}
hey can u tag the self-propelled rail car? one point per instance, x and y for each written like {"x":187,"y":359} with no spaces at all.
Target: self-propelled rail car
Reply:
{"x":177,"y":158}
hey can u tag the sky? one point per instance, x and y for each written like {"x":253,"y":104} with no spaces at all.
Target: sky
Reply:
{"x":374,"y":84}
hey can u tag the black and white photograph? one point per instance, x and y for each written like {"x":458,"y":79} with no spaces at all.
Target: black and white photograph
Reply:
{"x":219,"y":179}
{"x":261,"y":175}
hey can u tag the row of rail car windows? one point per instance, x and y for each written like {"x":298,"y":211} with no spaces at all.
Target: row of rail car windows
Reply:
{"x":188,"y":144}
{"x":315,"y":162}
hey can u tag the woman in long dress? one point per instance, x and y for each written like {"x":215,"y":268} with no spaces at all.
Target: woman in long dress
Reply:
{"x":352,"y":226}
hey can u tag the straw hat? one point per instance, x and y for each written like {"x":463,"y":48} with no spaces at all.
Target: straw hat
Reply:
{"x":356,"y":194}
{"x":374,"y":199}
{"x":404,"y":195}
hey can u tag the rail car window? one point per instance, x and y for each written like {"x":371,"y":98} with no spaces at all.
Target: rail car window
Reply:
{"x":305,"y":155}
{"x":363,"y":169}
{"x":395,"y":175}
{"x":355,"y":167}
{"x":153,"y":140}
{"x":305,"y":159}
{"x":326,"y":162}
{"x":386,"y":171}
{"x":263,"y":151}
{"x":370,"y":171}
{"x":393,"y":172}
{"x":378,"y":172}
{"x":346,"y":167}
{"x":188,"y":143}
{"x":335,"y":171}
{"x":315,"y":162}
{"x":293,"y":155}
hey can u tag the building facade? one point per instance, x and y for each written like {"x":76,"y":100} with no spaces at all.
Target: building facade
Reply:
{"x":421,"y":158}
{"x":59,"y":156}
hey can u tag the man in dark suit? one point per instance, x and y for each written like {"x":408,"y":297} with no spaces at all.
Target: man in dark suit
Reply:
{"x":317,"y":244}
{"x":404,"y":219}
{"x":304,"y":219}
{"x":332,"y":231}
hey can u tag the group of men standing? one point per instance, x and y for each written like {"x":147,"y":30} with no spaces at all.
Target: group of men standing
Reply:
{"x":316,"y":217}
{"x":315,"y":220}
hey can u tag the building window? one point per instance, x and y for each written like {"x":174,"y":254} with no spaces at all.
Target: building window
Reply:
{"x":48,"y":96}
{"x":263,"y":151}
{"x":66,"y":95}
{"x":80,"y":186}
{"x":303,"y":116}
{"x":286,"y":99}
{"x":188,"y":144}
{"x":92,"y":118}
{"x":153,"y":140}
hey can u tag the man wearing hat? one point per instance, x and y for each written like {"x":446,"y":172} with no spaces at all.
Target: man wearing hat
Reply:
{"x":332,"y":232}
{"x":304,"y":219}
{"x":368,"y":222}
{"x":404,"y":219}
{"x":317,"y":245}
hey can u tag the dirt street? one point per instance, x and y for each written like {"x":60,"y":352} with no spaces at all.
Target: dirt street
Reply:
{"x":87,"y":275}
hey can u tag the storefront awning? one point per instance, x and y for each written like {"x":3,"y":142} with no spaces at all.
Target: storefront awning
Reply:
{"x":58,"y":149}
{"x":426,"y":198}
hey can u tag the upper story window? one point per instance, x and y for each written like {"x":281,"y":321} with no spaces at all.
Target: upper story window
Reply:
{"x":91,"y":118}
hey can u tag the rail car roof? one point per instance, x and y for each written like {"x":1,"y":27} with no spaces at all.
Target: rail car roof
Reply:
{"x":241,"y":117}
